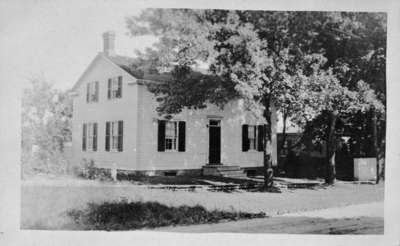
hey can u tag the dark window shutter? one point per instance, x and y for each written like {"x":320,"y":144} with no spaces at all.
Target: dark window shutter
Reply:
{"x":84,"y":137}
{"x":107,"y":136}
{"x":120,"y":86}
{"x":109,"y":89}
{"x":182,"y":136}
{"x":97,"y":91}
{"x":87,"y":92}
{"x":260,"y":144}
{"x":161,"y":135}
{"x":94,"y":136}
{"x":120,"y":135}
{"x":245,"y":138}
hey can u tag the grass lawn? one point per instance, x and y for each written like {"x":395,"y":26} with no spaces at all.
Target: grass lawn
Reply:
{"x":45,"y":205}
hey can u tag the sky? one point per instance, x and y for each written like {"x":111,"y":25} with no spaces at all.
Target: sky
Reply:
{"x":57,"y":40}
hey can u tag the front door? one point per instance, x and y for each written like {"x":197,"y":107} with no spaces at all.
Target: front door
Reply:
{"x":214,"y":142}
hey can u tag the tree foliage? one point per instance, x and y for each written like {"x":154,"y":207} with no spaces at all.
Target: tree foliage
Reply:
{"x":256,"y":53}
{"x":304,"y":63}
{"x":46,"y":126}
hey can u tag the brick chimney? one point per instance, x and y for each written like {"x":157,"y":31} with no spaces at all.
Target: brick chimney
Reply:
{"x":109,"y":43}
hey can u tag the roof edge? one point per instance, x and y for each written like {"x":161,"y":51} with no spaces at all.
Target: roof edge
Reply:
{"x":99,"y":55}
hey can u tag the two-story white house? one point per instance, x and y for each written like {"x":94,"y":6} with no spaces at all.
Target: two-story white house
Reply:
{"x":116,"y":125}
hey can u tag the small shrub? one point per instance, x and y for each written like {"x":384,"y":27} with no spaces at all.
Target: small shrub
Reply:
{"x":126,"y":215}
{"x":90,"y":171}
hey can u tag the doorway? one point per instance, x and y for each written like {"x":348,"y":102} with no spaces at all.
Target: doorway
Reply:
{"x":214,"y":128}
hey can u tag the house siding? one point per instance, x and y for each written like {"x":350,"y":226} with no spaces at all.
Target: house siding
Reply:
{"x":104,"y":110}
{"x":137,"y":110}
{"x":196,"y":153}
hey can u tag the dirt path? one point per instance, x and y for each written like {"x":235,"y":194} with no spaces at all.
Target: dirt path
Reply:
{"x":344,"y":220}
{"x":291,"y":225}
{"x":374,"y":209}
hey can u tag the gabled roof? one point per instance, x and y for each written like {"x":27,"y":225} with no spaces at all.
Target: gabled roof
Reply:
{"x":122,"y":60}
{"x":125,"y":64}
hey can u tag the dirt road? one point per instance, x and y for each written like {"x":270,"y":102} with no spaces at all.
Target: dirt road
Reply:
{"x":344,"y":220}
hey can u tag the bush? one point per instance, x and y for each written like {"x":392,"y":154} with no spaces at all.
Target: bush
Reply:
{"x":90,"y":171}
{"x":43,"y":162}
{"x":124,"y":215}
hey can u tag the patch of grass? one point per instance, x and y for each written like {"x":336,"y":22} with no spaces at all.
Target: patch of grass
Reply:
{"x":123,"y":215}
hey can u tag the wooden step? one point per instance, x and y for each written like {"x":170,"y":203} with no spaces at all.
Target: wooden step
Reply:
{"x":224,"y":171}
{"x":233,"y":172}
{"x":234,"y":175}
{"x":229,"y":168}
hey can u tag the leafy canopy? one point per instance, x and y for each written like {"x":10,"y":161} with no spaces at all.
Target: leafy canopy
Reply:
{"x":259,"y":56}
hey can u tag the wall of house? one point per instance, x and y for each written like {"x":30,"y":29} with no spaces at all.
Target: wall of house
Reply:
{"x":124,"y":108}
{"x":137,"y":109}
{"x":197,"y":142}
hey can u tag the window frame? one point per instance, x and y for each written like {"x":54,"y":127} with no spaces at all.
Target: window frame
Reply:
{"x":114,"y":134}
{"x":114,"y":88}
{"x":90,"y":137}
{"x":174,"y":139}
{"x":114,"y":140}
{"x":92,"y":93}
{"x":253,"y":142}
{"x":253,"y":137}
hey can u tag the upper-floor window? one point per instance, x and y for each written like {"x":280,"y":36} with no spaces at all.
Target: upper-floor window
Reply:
{"x":171,"y":135}
{"x":92,"y":91}
{"x":114,"y":135}
{"x":253,"y":137}
{"x":114,"y":87}
{"x":89,"y":137}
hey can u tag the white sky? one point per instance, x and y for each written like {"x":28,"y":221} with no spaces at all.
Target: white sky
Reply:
{"x":57,"y":40}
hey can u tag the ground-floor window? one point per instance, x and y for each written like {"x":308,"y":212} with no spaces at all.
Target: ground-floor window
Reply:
{"x":114,"y":136}
{"x":89,"y":137}
{"x":253,"y":137}
{"x":171,"y":135}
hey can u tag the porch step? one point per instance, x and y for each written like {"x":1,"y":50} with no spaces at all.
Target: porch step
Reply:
{"x":224,"y":171}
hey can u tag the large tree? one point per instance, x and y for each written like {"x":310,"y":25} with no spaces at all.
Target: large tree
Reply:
{"x":355,"y":47}
{"x":268,"y":59}
{"x":46,"y":126}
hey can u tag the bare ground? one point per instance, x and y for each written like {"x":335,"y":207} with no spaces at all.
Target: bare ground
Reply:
{"x":43,"y":205}
{"x":341,"y":220}
{"x":291,"y":225}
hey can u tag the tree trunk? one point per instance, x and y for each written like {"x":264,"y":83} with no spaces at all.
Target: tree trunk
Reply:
{"x":330,"y":174}
{"x":268,"y":171}
{"x":375,"y":140}
{"x":282,"y":146}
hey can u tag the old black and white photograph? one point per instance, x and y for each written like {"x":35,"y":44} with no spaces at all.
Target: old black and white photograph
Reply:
{"x":199,"y":120}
